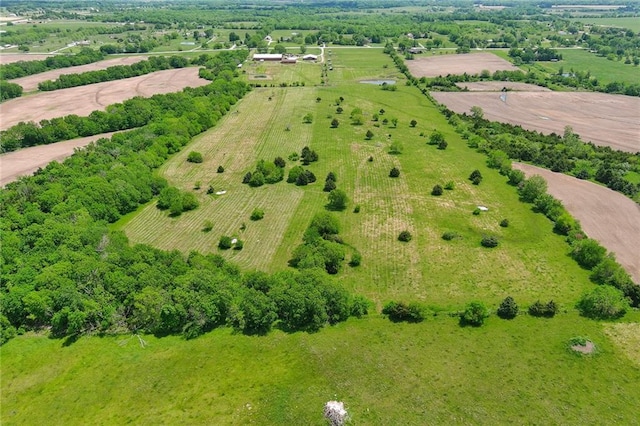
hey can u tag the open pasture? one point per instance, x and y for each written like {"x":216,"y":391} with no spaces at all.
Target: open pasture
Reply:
{"x":582,"y":60}
{"x":608,"y":120}
{"x":412,"y":374}
{"x":605,"y":215}
{"x":28,"y":160}
{"x":473,"y":63}
{"x":85,"y":99}
{"x":30,"y":83}
{"x":529,"y":263}
{"x":254,"y":130}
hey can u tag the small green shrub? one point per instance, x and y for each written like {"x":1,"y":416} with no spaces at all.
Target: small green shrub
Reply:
{"x":508,"y":309}
{"x":504,"y":223}
{"x":356,"y":209}
{"x":405,"y":236}
{"x":476,"y":211}
{"x":450,"y":186}
{"x":399,"y":311}
{"x":239,"y":245}
{"x":475,"y":177}
{"x":356,"y":259}
{"x":225,"y":243}
{"x":489,"y":241}
{"x":604,"y":302}
{"x":394,"y":173}
{"x":220,"y":169}
{"x":539,"y":309}
{"x":450,"y":235}
{"x":208,"y":226}
{"x":257,"y":214}
{"x":359,"y":306}
{"x":474,"y":314}
{"x":437,"y":190}
{"x":194,"y":157}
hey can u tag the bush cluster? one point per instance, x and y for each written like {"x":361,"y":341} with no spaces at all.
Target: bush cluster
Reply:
{"x":400,"y":311}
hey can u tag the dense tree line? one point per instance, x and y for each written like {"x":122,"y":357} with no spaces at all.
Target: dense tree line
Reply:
{"x":25,"y":68}
{"x":560,"y":153}
{"x":117,"y":72}
{"x":63,"y":269}
{"x":129,"y":114}
{"x":9,"y":90}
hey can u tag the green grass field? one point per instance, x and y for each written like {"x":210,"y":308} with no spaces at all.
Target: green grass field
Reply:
{"x":435,"y":372}
{"x":604,"y":70}
{"x":507,"y":372}
{"x":627,"y":22}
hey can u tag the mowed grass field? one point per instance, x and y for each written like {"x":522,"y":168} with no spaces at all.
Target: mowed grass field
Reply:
{"x":604,"y":70}
{"x":435,"y":372}
{"x":530,"y":263}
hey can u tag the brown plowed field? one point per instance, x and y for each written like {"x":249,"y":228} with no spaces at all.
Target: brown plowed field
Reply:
{"x":9,"y":58}
{"x":608,"y":120}
{"x":471,"y":63}
{"x":605,"y":215}
{"x":30,"y":83}
{"x":497,"y":86}
{"x":28,"y":160}
{"x":85,"y":99}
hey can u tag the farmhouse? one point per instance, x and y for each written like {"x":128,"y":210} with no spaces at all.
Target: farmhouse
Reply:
{"x":267,"y":57}
{"x":309,"y":57}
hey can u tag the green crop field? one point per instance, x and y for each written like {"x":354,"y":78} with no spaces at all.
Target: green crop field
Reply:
{"x":436,"y":372}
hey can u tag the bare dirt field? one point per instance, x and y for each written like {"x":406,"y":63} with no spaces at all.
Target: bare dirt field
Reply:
{"x":28,"y":160}
{"x":30,"y":83}
{"x":9,"y":58}
{"x":608,"y":120}
{"x":497,"y":86}
{"x":471,"y":63}
{"x":605,"y":215}
{"x":85,"y":99}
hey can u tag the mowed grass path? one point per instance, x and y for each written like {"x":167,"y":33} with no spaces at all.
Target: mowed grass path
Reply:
{"x":254,"y":130}
{"x":508,"y":372}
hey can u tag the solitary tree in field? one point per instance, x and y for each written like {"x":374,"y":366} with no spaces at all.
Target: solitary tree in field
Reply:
{"x":394,"y":172}
{"x":335,"y":123}
{"x":337,"y":200}
{"x":369,"y":135}
{"x":475,"y":177}
{"x":308,"y":118}
{"x":413,"y":123}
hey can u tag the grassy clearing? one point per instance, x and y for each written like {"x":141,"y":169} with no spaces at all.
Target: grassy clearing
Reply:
{"x":603,"y":69}
{"x":632,"y":23}
{"x":255,"y":130}
{"x":531,"y":262}
{"x":435,"y":372}
{"x":429,"y":373}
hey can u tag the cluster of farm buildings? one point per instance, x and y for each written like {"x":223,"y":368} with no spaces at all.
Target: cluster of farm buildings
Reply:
{"x":282,"y":58}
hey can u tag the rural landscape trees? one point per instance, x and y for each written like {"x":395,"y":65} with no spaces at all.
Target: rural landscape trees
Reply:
{"x":180,"y":227}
